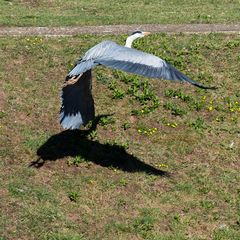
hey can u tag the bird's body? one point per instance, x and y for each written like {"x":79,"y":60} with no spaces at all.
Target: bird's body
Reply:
{"x":115,"y":56}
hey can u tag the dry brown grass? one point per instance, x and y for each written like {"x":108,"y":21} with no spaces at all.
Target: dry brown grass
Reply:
{"x":178,"y":183}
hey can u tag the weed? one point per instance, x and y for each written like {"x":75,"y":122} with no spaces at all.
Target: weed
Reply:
{"x":117,"y":143}
{"x":123,"y":182}
{"x":145,"y":109}
{"x":168,"y":123}
{"x":178,"y":94}
{"x":64,"y":236}
{"x":76,"y":161}
{"x":175,"y":110}
{"x":141,"y":91}
{"x":146,"y":131}
{"x":106,"y":120}
{"x":233,"y":44}
{"x":126,"y":125}
{"x":224,"y":233}
{"x":162,"y":165}
{"x":93,"y":134}
{"x":112,"y":84}
{"x":199,"y":124}
{"x":177,"y":218}
{"x":144,"y":224}
{"x":2,"y":114}
{"x":73,"y":196}
{"x":207,"y":204}
{"x":120,"y":227}
{"x":118,"y":93}
{"x":102,"y":78}
{"x":185,"y":187}
{"x":197,"y":105}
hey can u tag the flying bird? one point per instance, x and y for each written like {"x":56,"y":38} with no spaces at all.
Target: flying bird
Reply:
{"x":77,"y":102}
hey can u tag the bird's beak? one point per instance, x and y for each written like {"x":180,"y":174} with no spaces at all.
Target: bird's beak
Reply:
{"x":146,"y":33}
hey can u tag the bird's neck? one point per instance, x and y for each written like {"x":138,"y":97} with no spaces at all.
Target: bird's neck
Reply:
{"x":130,"y":40}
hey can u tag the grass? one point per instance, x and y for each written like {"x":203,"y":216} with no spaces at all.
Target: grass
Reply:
{"x":163,"y":162}
{"x":73,"y":13}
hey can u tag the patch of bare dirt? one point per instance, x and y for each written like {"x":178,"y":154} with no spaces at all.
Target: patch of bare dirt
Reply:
{"x":2,"y":99}
{"x":119,"y":29}
{"x":37,"y":3}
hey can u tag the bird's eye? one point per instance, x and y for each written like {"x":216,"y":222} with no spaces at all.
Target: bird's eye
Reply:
{"x":137,"y":32}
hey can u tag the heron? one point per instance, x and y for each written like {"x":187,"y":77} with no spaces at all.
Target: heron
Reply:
{"x":77,"y":106}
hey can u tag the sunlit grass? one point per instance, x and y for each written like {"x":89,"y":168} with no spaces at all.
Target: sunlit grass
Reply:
{"x":107,"y":182}
{"x":74,"y":13}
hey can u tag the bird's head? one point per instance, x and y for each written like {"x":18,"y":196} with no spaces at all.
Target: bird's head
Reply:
{"x":139,"y":34}
{"x":134,"y":36}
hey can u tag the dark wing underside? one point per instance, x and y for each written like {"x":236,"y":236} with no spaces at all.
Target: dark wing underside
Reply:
{"x":167,"y":72}
{"x":77,"y":102}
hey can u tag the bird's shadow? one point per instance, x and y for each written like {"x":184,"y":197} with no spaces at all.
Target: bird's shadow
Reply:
{"x":76,"y":143}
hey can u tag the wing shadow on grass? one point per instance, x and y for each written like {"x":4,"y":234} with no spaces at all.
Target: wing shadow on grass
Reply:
{"x":75,"y":143}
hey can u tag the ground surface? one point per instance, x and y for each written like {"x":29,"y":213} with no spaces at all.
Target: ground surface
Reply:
{"x":161,"y":161}
{"x":120,"y":29}
{"x":101,"y":12}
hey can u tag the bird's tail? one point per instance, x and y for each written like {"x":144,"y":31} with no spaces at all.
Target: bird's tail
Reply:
{"x":77,"y":102}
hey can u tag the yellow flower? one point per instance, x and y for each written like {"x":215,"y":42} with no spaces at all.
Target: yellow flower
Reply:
{"x":162,"y":165}
{"x":174,"y":125}
{"x":210,"y":108}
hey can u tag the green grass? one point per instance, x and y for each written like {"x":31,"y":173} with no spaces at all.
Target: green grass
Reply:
{"x":67,"y":13}
{"x":163,"y":162}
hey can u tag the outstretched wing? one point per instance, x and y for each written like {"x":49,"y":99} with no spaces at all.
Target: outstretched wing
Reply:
{"x":130,"y":60}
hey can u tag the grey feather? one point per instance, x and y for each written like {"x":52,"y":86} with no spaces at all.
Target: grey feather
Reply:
{"x":115,"y":56}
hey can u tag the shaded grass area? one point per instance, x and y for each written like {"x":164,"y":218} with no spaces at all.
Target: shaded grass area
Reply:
{"x":161,"y":161}
{"x":73,"y":13}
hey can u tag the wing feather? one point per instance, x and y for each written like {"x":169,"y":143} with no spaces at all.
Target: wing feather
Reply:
{"x":130,"y":60}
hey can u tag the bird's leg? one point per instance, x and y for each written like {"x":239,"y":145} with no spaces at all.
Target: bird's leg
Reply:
{"x":72,"y":80}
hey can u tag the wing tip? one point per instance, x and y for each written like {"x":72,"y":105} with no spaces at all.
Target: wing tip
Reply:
{"x":203,"y":86}
{"x":70,"y":121}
